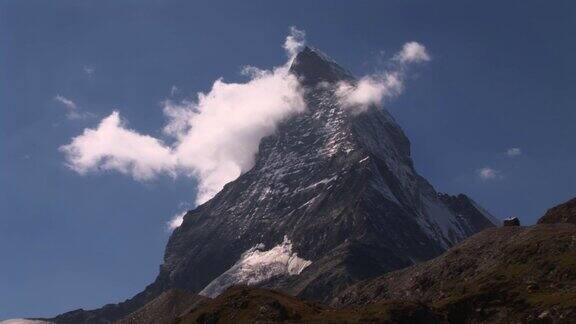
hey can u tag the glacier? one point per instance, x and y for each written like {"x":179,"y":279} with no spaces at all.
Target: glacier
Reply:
{"x":256,"y":265}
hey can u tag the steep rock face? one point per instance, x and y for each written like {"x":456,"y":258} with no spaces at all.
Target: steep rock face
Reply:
{"x":469,"y":211}
{"x":340,"y":186}
{"x":563,"y":213}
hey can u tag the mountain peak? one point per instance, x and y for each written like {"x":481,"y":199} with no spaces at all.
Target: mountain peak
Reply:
{"x":332,"y":198}
{"x":313,"y":67}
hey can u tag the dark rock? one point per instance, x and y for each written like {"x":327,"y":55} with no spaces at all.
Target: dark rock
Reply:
{"x":464,"y":207}
{"x":500,"y":275}
{"x":266,"y":306}
{"x":165,"y":307}
{"x":563,"y":213}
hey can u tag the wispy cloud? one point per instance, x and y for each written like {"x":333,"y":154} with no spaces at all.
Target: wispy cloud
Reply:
{"x":294,"y":42}
{"x":113,"y":146}
{"x":22,"y":321}
{"x":488,"y":173}
{"x":176,"y":221}
{"x":215,"y":137}
{"x":514,"y":151}
{"x":69,"y":104}
{"x":174,"y":91}
{"x":73,"y":111}
{"x":412,"y":52}
{"x":375,"y":88}
{"x":89,"y":70}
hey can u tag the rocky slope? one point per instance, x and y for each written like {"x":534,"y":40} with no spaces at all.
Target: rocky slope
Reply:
{"x":255,"y":305}
{"x":333,"y":198}
{"x":563,"y":213}
{"x":501,"y":275}
{"x":508,"y":274}
{"x":169,"y":305}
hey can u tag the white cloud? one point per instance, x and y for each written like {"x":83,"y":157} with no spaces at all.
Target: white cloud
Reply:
{"x":178,"y":115}
{"x":376,"y":88}
{"x":176,"y":221}
{"x":69,"y":104}
{"x":514,"y":151}
{"x":89,"y":70}
{"x":112,"y":146}
{"x":215,"y":137}
{"x":72,"y":109}
{"x":413,"y":52}
{"x":174,"y":91}
{"x":369,"y":90}
{"x":223,"y":128}
{"x":294,"y":42}
{"x":488,"y":173}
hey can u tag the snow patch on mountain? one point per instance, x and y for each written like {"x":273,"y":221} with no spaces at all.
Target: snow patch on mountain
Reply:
{"x":256,"y":265}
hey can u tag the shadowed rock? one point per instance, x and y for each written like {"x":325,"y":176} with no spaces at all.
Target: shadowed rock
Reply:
{"x":164,"y":308}
{"x":563,"y":213}
{"x":501,"y":275}
{"x":254,"y":305}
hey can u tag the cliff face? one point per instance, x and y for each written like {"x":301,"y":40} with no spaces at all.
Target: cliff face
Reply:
{"x":333,"y":198}
{"x":339,"y":186}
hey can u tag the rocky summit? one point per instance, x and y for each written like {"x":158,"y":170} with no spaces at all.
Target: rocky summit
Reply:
{"x":333,"y":198}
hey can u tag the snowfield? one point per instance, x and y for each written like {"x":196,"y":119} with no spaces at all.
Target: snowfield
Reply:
{"x":256,"y":265}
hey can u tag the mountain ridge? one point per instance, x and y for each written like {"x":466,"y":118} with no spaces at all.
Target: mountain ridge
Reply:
{"x":562,"y":213}
{"x":506,"y":274}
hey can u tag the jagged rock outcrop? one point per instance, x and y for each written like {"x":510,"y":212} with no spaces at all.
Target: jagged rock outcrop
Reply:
{"x":339,"y":186}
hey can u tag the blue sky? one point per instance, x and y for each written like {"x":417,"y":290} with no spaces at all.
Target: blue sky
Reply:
{"x":501,"y":77}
